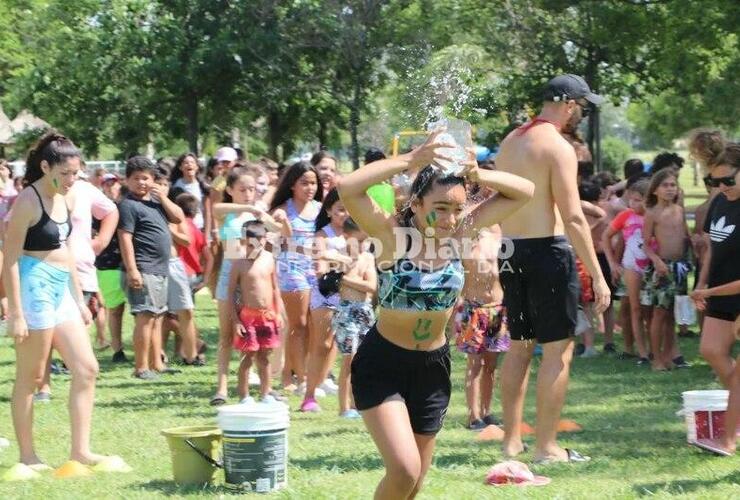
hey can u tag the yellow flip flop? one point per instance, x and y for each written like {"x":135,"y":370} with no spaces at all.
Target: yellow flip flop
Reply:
{"x":113,"y":463}
{"x":20,"y":472}
{"x":40,"y":467}
{"x":72,"y":469}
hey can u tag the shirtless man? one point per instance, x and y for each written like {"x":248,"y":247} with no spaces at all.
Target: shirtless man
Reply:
{"x":539,"y":278}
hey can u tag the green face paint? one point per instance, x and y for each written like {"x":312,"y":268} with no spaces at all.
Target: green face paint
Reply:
{"x":432,"y":219}
{"x":421,"y":332}
{"x":55,"y":182}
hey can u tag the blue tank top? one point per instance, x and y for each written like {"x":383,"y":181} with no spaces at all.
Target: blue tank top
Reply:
{"x":231,"y":227}
{"x":303,"y":229}
{"x":406,"y":287}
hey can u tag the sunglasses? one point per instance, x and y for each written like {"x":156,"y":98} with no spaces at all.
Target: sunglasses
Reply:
{"x":728,"y":181}
{"x":585,"y":108}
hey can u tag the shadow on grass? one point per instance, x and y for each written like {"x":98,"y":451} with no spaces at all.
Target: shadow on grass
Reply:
{"x":360,"y":430}
{"x":684,"y":486}
{"x":173,"y":489}
{"x":362,"y":462}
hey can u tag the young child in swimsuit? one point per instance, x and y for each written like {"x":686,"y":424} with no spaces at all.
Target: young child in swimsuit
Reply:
{"x":667,"y":275}
{"x":354,"y":315}
{"x":480,"y":326}
{"x":256,"y":319}
{"x":634,"y":260}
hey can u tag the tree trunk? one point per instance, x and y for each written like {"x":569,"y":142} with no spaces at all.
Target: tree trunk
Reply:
{"x":354,"y":123}
{"x":273,"y":133}
{"x":191,"y":115}
{"x":593,"y":136}
{"x":322,"y":134}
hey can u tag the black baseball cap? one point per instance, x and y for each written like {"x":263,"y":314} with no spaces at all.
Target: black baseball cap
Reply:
{"x":567,"y":87}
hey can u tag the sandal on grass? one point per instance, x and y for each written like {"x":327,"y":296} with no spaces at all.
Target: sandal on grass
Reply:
{"x":218,"y":400}
{"x":573,"y":457}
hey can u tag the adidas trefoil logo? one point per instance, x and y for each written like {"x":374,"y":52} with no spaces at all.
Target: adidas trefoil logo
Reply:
{"x":719,"y":232}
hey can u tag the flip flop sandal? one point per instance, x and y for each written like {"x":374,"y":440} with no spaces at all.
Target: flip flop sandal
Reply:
{"x":573,"y":458}
{"x":218,"y":400}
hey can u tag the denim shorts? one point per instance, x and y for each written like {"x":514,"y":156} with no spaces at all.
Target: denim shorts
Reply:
{"x":45,"y":296}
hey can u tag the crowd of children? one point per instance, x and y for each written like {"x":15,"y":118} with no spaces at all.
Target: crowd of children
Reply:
{"x":295,"y":278}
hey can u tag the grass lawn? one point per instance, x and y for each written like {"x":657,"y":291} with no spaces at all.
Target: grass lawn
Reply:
{"x":628,"y":413}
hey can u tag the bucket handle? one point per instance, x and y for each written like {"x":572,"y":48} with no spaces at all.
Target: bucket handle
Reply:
{"x":205,"y":457}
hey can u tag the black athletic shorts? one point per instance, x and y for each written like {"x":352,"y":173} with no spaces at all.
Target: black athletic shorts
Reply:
{"x":606,"y":270}
{"x":541,"y":289}
{"x":381,"y":370}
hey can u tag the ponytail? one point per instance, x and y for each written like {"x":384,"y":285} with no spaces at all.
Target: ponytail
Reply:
{"x":53,"y":148}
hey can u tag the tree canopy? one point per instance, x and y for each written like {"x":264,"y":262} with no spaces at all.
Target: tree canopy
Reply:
{"x":340,"y":73}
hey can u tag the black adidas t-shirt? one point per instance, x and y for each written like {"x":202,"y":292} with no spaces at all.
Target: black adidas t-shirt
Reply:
{"x":723,"y":226}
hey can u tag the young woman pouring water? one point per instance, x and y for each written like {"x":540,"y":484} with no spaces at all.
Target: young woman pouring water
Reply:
{"x":401,"y":373}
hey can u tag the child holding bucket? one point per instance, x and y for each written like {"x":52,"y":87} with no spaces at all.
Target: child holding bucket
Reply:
{"x":354,"y":315}
{"x":256,"y":328}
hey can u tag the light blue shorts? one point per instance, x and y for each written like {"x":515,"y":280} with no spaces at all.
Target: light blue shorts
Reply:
{"x":222,"y":285}
{"x":45,"y":295}
{"x":295,"y":272}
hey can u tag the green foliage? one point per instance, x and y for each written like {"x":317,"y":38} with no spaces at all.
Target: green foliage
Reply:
{"x":130,"y":72}
{"x":614,"y":152}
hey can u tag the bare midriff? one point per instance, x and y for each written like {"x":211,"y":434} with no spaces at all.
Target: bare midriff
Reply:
{"x":414,"y":330}
{"x":58,"y":257}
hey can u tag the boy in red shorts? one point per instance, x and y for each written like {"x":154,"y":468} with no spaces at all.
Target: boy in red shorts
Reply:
{"x":256,"y":328}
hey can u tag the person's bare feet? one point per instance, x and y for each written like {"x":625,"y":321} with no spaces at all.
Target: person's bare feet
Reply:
{"x":550,"y":455}
{"x":512,"y":448}
{"x":31,"y":460}
{"x":88,"y":458}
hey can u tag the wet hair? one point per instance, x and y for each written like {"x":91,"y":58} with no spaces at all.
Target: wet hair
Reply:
{"x":374,"y":154}
{"x":665,"y":160}
{"x":321,"y":155}
{"x":233,"y":176}
{"x":589,"y":191}
{"x":283,"y":192}
{"x":254,"y":229}
{"x":585,"y":169}
{"x":423,"y":184}
{"x":139,"y":164}
{"x":188,"y":203}
{"x":350,"y":226}
{"x":655,"y":182}
{"x":53,"y":148}
{"x":323,"y":219}
{"x":640,"y":186}
{"x":706,"y":146}
{"x":633,"y":167}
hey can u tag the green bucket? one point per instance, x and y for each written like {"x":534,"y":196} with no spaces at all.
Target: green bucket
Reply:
{"x":195,"y":451}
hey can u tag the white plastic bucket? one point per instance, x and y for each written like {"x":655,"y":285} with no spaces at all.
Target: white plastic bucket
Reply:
{"x":255,"y":446}
{"x":704,"y":412}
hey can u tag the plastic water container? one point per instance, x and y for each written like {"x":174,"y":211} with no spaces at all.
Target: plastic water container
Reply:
{"x":704,"y":412}
{"x":255,"y":440}
{"x":457,"y":132}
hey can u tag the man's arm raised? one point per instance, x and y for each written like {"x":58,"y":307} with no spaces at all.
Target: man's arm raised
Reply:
{"x":564,"y":168}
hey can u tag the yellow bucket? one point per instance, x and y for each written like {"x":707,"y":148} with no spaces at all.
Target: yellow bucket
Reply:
{"x":195,"y":451}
